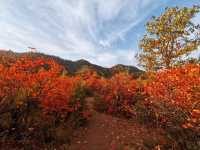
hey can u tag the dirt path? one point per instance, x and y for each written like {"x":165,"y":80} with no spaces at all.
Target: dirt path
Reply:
{"x":105,"y":132}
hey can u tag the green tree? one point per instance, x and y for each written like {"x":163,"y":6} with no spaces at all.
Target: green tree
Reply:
{"x":169,"y":37}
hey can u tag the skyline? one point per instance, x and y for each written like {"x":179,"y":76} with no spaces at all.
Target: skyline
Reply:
{"x":104,"y":33}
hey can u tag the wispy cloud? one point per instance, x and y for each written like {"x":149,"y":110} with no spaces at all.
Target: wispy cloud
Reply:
{"x":75,"y":29}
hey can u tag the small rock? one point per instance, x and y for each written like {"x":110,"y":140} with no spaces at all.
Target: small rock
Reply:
{"x":85,"y":142}
{"x":117,"y":137}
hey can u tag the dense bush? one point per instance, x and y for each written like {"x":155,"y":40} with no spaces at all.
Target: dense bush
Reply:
{"x":115,"y":95}
{"x":173,"y":100}
{"x":38,"y":102}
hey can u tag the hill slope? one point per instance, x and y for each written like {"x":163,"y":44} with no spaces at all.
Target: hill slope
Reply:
{"x":75,"y":66}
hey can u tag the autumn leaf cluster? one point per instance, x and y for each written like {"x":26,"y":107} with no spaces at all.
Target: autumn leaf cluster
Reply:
{"x":179,"y":89}
{"x":37,"y":93}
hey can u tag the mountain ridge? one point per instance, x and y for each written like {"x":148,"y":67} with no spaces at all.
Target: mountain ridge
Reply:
{"x":75,"y":66}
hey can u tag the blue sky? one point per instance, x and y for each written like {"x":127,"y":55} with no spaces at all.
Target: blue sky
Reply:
{"x":105,"y":32}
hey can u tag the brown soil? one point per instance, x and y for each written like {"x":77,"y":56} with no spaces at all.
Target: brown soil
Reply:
{"x":105,"y":132}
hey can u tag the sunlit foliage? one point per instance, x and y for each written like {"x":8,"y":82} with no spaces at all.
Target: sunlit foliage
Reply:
{"x":169,"y":37}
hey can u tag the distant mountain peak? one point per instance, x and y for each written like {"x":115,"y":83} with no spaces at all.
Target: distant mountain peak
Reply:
{"x":82,"y":61}
{"x":75,"y":66}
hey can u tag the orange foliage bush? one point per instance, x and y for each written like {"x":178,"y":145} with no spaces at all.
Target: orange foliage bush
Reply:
{"x":27,"y":73}
{"x":41,"y":79}
{"x":37,"y":87}
{"x":120,"y":96}
{"x":173,"y":95}
{"x":116,"y":93}
{"x":176,"y":90}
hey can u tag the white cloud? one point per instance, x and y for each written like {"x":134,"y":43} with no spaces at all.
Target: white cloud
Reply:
{"x":110,"y":58}
{"x":109,"y":9}
{"x":73,"y":29}
{"x":196,"y":19}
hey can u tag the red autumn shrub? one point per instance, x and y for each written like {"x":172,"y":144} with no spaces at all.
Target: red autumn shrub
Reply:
{"x":35,"y":95}
{"x":97,"y":84}
{"x":173,"y":97}
{"x":120,"y":96}
{"x":29,"y":74}
{"x":64,"y":96}
{"x":115,"y":94}
{"x":56,"y":95}
{"x":178,"y":87}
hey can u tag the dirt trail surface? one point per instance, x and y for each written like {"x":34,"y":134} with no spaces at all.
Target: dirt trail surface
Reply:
{"x":105,"y":132}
